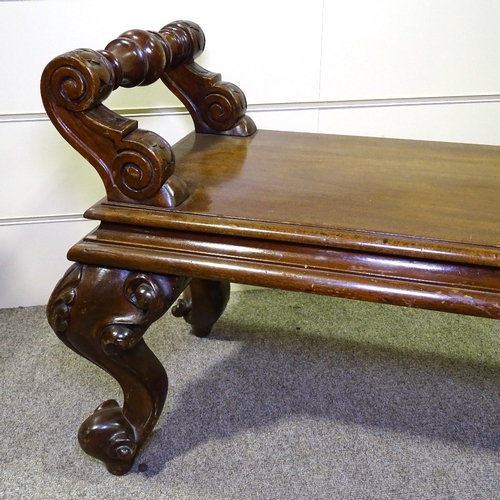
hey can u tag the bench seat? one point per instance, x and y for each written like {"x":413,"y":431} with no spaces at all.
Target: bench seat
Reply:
{"x":402,"y":222}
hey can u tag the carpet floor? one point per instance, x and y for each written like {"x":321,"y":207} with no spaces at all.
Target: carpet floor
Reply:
{"x":292,"y":396}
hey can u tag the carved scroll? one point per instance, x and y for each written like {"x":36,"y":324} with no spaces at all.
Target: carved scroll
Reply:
{"x":137,"y":166}
{"x":216,"y":107}
{"x":102,"y":315}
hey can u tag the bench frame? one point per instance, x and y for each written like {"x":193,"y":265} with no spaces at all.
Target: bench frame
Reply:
{"x":151,"y":253}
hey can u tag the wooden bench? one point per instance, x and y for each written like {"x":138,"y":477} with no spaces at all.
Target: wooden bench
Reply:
{"x":402,"y":222}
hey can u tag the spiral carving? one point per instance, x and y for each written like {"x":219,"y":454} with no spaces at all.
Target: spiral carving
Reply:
{"x":137,"y":166}
{"x":61,"y":311}
{"x":108,"y":436}
{"x":142,"y":292}
{"x":216,"y":107}
{"x":134,"y":174}
{"x":80,"y":80}
{"x":222,"y":107}
{"x":105,"y":314}
{"x":143,"y":165}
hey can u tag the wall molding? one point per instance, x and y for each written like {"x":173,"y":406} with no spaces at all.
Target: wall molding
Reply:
{"x":290,"y":106}
{"x":42,"y":219}
{"x":377,"y":103}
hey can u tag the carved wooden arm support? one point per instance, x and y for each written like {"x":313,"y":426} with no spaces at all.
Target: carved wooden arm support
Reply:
{"x":137,"y":166}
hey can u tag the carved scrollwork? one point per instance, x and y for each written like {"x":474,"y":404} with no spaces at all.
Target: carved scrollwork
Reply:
{"x":60,"y":308}
{"x":108,"y":436}
{"x":80,"y":80}
{"x":141,"y":291}
{"x":102,"y":314}
{"x":216,"y":107}
{"x":137,"y":166}
{"x":142,"y":165}
{"x":223,"y":107}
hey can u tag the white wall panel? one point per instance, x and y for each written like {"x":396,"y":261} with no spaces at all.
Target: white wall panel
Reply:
{"x":288,"y":120}
{"x":377,"y":49}
{"x":33,"y":259}
{"x":475,"y":123}
{"x":46,"y":176}
{"x":271,"y":52}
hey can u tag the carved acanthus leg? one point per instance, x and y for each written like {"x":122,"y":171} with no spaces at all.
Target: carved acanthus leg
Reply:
{"x":102,"y":314}
{"x":202,"y":304}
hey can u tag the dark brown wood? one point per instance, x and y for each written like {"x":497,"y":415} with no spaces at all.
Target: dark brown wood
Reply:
{"x":102,"y":315}
{"x":412,"y":223}
{"x":216,"y":107}
{"x":102,"y":312}
{"x":137,"y":166}
{"x":202,"y":304}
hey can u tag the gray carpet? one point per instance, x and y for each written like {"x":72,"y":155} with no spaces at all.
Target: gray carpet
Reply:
{"x":292,"y":397}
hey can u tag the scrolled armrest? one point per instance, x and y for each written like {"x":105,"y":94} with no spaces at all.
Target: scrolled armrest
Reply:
{"x":137,"y":166}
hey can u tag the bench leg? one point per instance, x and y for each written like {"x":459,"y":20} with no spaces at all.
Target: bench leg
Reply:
{"x":102,"y":314}
{"x":202,"y":304}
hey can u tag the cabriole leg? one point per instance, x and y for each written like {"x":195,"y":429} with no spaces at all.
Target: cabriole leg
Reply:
{"x":102,"y":314}
{"x":202,"y":304}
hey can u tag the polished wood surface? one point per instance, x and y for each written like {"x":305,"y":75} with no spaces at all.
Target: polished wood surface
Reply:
{"x":105,"y":322}
{"x":135,"y":165}
{"x":411,"y":223}
{"x":407,"y":198}
{"x":398,"y":187}
{"x":102,"y":314}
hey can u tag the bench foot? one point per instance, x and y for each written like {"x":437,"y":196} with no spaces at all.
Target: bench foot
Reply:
{"x":202,"y":304}
{"x":102,"y":315}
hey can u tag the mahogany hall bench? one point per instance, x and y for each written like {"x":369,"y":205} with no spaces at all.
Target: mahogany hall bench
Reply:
{"x":403,"y":222}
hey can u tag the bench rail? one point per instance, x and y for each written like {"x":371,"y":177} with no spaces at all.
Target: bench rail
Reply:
{"x":135,"y":165}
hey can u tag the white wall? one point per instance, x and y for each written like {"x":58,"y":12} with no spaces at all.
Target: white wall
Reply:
{"x":395,"y":68}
